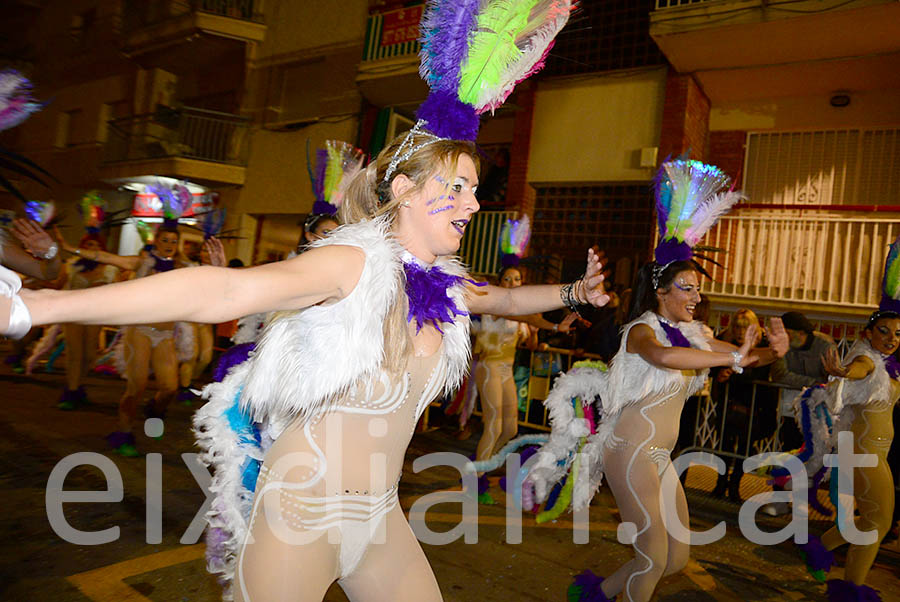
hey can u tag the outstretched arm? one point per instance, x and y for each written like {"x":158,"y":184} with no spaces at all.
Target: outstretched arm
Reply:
{"x":124,"y":262}
{"x":205,"y":294}
{"x":778,"y":344}
{"x":859,"y":368}
{"x":536,"y":299}
{"x":642,"y":340}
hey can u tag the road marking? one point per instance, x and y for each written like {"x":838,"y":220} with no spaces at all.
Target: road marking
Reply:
{"x":107,"y":584}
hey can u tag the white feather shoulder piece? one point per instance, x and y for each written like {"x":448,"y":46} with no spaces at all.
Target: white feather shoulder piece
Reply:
{"x":874,"y":388}
{"x":632,"y":379}
{"x":306,"y":358}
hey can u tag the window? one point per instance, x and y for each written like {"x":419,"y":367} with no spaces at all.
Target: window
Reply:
{"x":605,"y":35}
{"x":570,"y":218}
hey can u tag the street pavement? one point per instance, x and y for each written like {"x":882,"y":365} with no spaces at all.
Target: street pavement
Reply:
{"x":39,"y":565}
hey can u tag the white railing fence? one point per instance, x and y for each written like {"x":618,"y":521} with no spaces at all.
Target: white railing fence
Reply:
{"x":830,"y":260}
{"x":480,"y":248}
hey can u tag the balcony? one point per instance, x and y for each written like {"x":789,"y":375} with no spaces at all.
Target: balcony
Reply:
{"x":829,"y":265}
{"x":188,"y":143}
{"x":738,"y":48}
{"x":389,"y":72}
{"x":155,"y":31}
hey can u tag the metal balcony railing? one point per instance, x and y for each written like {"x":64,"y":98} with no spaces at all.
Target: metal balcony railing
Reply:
{"x":827,"y":260}
{"x":187,"y":132}
{"x":137,"y":14}
{"x":663,"y":4}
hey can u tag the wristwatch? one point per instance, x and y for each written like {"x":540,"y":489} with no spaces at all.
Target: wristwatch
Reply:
{"x":51,"y":252}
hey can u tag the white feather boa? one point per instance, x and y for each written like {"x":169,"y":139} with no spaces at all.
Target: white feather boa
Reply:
{"x":554,"y":459}
{"x":304,"y":360}
{"x":185,"y":337}
{"x":630,"y":379}
{"x":249,"y":328}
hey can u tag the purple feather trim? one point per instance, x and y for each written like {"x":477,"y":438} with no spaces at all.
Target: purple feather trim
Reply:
{"x":321,"y":166}
{"x":889,"y":304}
{"x":675,"y":336}
{"x":445,"y":31}
{"x":85,"y":265}
{"x":892,"y":365}
{"x":163,"y":265}
{"x":670,"y":250}
{"x":510,"y":260}
{"x":589,"y":585}
{"x":323,"y":207}
{"x":232,"y":357}
{"x":448,"y":117}
{"x":841,"y":590}
{"x":428,"y":299}
{"x":817,"y":557}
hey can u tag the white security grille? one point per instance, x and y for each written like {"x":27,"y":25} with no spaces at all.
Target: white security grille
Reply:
{"x":827,"y":167}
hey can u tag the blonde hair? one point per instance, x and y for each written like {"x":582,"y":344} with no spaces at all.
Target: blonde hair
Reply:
{"x":369,"y":196}
{"x":743,"y":317}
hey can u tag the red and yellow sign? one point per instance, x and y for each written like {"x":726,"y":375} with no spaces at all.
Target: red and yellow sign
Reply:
{"x":147,"y":204}
{"x":401,"y":25}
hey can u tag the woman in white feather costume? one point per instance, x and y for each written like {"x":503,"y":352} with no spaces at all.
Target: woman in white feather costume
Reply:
{"x":382,"y":329}
{"x":663,"y":359}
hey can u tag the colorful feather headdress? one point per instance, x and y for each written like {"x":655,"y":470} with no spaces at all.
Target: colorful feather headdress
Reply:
{"x":43,"y":212}
{"x":474,"y":52}
{"x":336,"y":165}
{"x":176,"y":201}
{"x":690,"y":198}
{"x":514,"y":237}
{"x":93,"y":211}
{"x":890,"y":284}
{"x":16,"y":102}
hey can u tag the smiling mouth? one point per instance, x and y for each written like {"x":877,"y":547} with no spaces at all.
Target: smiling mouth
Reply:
{"x":690,"y":309}
{"x":460,"y":225}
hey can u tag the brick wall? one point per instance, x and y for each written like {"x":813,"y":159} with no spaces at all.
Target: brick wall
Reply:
{"x":519,"y":193}
{"x":726,"y":150}
{"x":685,"y":122}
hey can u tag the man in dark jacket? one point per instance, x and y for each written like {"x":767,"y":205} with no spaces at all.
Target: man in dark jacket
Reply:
{"x":802,"y":365}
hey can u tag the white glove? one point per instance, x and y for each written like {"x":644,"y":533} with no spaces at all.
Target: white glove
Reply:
{"x":19,"y":316}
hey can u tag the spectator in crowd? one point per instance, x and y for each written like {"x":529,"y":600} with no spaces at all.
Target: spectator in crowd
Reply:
{"x":801,"y":367}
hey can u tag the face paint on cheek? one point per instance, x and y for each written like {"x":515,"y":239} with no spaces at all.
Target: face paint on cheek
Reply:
{"x":433,"y":201}
{"x":441,"y":209}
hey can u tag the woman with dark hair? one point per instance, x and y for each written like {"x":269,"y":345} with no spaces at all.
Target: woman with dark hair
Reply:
{"x":316,"y":227}
{"x":860,"y":398}
{"x":663,"y":359}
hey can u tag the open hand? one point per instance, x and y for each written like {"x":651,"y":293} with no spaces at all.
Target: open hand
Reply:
{"x":566,"y":325}
{"x":216,"y":251}
{"x":591,"y":286}
{"x":747,"y":358}
{"x":832,"y":363}
{"x":34,"y":239}
{"x":778,"y":337}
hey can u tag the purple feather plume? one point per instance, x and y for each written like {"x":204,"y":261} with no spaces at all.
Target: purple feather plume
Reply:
{"x":817,"y":557}
{"x":232,"y":357}
{"x":448,"y":117}
{"x":323,"y":207}
{"x":444,"y":36}
{"x":428,"y":299}
{"x":670,"y":250}
{"x":841,"y":590}
{"x":675,"y":336}
{"x":321,"y":166}
{"x":892,"y":365}
{"x":587,"y":585}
